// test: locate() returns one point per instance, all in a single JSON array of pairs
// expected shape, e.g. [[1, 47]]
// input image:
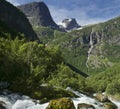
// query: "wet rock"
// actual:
[[2, 105], [102, 97], [85, 106], [110, 105], [62, 103]]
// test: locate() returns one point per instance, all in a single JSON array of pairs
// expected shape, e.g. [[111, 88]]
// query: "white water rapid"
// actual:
[[18, 101], [91, 46]]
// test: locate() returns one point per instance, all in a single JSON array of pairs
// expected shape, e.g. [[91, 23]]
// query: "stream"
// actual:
[[17, 101]]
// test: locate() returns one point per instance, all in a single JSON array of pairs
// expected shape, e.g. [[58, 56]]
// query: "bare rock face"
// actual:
[[16, 20], [69, 24], [38, 14]]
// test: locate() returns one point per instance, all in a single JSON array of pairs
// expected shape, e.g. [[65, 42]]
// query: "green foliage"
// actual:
[[48, 92], [108, 81], [113, 88], [45, 34], [28, 65], [75, 45], [65, 77]]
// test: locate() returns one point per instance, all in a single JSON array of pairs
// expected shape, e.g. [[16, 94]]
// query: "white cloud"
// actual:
[[80, 14]]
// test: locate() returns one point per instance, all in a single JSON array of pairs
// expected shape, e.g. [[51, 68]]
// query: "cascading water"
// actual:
[[91, 47], [18, 101]]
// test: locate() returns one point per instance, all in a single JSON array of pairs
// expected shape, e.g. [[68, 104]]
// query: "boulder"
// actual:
[[62, 103], [85, 106], [102, 97], [110, 105]]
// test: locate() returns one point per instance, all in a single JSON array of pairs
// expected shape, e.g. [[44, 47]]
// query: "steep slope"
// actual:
[[38, 14], [16, 20], [108, 81], [92, 49]]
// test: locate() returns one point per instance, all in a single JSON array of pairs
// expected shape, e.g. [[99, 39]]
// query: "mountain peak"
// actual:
[[38, 14], [69, 24]]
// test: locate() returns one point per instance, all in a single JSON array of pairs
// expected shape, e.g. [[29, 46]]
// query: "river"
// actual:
[[17, 101]]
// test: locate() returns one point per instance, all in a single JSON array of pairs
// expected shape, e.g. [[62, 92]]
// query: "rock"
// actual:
[[102, 97], [110, 105], [4, 85], [69, 24], [1, 105], [85, 106], [38, 14], [16, 20], [62, 103]]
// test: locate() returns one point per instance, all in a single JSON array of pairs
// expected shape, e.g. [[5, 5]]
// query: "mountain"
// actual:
[[45, 71], [16, 20], [91, 49], [38, 14], [69, 24]]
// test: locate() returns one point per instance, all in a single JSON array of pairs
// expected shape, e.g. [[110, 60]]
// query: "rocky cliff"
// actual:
[[38, 14], [16, 20]]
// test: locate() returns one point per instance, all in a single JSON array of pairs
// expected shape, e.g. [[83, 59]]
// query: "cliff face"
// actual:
[[93, 48], [38, 14], [16, 20]]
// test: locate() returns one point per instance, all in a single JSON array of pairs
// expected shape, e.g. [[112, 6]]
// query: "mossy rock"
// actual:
[[102, 98], [62, 103], [85, 106], [110, 105]]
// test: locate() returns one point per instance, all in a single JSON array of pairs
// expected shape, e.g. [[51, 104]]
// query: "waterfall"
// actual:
[[91, 46]]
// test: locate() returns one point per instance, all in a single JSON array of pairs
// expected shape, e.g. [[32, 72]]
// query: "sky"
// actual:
[[84, 11]]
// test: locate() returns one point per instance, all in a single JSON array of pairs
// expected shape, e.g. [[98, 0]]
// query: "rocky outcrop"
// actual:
[[106, 102], [69, 24], [85, 106], [63, 103], [102, 97], [109, 105], [16, 20], [38, 14]]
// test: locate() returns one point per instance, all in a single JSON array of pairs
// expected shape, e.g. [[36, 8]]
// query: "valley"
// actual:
[[43, 64]]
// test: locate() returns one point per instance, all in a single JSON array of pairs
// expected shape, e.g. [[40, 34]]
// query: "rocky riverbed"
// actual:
[[9, 100]]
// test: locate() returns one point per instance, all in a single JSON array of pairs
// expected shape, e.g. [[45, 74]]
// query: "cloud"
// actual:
[[81, 15], [85, 12]]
